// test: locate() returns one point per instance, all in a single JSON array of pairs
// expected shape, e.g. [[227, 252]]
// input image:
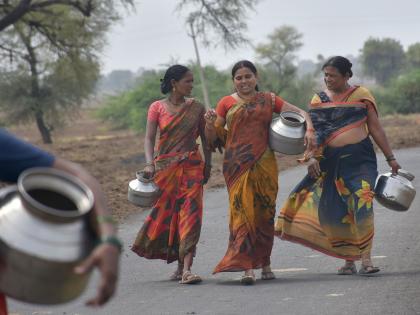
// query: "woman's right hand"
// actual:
[[149, 171], [314, 170], [210, 116]]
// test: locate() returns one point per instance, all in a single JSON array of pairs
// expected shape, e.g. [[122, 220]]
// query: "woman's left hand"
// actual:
[[394, 166], [310, 140], [206, 173]]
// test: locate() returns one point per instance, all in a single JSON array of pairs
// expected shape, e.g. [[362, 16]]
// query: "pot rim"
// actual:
[[290, 114], [47, 211]]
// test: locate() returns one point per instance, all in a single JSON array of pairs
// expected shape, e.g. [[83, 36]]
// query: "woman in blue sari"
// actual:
[[330, 210]]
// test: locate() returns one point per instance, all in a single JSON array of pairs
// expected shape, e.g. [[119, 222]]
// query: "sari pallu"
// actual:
[[333, 213], [173, 227], [250, 172]]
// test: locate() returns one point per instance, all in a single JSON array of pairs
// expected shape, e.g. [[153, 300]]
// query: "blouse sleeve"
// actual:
[[153, 113], [222, 108], [278, 104]]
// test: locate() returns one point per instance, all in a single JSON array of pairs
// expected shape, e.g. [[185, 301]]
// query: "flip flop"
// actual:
[[367, 270], [247, 280], [190, 278], [347, 270], [267, 275]]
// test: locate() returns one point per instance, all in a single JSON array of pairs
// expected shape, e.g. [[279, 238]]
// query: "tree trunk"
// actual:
[[42, 127], [200, 69], [44, 130]]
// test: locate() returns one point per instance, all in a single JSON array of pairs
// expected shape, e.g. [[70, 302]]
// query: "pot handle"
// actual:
[[406, 174], [7, 192]]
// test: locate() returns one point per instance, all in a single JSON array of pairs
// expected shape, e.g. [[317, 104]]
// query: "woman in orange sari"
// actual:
[[250, 170], [330, 210], [172, 229]]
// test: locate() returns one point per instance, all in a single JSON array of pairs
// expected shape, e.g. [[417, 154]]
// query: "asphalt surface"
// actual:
[[306, 280]]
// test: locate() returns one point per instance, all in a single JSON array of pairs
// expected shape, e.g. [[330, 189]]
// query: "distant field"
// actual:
[[114, 156]]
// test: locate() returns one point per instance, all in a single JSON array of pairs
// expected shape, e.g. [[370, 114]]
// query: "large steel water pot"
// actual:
[[142, 191], [395, 192], [43, 236], [287, 133]]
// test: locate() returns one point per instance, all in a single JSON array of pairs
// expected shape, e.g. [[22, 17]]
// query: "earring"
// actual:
[[173, 89]]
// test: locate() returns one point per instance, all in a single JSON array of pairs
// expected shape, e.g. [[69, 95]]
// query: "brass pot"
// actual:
[[287, 133], [43, 236], [395, 192], [143, 191]]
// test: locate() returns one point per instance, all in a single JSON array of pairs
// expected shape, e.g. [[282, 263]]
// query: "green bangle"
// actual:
[[112, 240], [103, 219]]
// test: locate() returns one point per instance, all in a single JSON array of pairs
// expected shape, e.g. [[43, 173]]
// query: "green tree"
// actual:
[[129, 109], [402, 95], [44, 42], [14, 11], [413, 56], [215, 22], [279, 54], [382, 59]]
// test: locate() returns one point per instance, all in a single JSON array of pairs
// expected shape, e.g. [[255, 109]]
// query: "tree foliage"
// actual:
[[413, 56], [218, 22], [382, 59], [278, 55], [53, 47]]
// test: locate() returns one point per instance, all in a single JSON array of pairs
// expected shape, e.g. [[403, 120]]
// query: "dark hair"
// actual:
[[175, 72], [244, 64], [343, 65]]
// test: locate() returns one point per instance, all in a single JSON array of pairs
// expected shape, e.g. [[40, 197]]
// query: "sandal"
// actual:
[[347, 270], [369, 269], [267, 275], [247, 280], [189, 278]]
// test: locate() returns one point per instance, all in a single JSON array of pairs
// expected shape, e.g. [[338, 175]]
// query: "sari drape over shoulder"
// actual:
[[333, 213], [173, 227], [250, 172]]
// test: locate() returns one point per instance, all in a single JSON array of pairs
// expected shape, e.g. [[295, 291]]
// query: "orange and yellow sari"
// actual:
[[250, 172], [173, 227]]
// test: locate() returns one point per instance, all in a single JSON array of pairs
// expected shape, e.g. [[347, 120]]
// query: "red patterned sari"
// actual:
[[250, 172], [173, 227]]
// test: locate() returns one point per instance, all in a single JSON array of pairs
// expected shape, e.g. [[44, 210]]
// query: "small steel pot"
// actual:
[[43, 236], [395, 192], [143, 191], [287, 133]]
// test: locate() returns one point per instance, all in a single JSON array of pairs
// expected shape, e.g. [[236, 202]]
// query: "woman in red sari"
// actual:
[[172, 229], [250, 170]]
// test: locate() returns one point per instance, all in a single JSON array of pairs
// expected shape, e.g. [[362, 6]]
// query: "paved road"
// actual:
[[306, 282]]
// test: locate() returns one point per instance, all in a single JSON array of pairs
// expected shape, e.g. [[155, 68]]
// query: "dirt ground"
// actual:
[[114, 156]]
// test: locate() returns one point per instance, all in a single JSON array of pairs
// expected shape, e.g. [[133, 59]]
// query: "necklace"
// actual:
[[246, 99], [175, 104]]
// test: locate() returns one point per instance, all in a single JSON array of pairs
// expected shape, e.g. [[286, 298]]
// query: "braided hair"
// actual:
[[175, 72]]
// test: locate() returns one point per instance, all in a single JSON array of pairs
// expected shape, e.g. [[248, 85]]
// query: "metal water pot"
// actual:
[[142, 191], [395, 192], [287, 133], [43, 236]]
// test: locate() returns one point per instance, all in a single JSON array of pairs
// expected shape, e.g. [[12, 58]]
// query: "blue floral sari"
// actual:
[[333, 213]]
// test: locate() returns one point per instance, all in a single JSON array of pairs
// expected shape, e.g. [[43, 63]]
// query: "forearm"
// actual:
[[210, 134], [378, 134], [149, 150]]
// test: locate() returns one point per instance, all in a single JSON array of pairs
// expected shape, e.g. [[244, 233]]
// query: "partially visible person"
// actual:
[[250, 170], [330, 210], [15, 157], [172, 230]]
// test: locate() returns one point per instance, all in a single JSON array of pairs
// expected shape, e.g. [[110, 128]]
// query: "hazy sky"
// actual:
[[155, 34]]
